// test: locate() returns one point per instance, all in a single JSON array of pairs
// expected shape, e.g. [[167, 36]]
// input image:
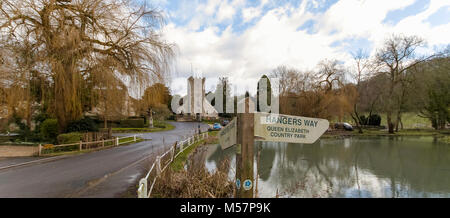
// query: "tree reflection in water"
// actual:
[[353, 167]]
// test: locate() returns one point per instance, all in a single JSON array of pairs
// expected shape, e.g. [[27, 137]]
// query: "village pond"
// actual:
[[366, 167]]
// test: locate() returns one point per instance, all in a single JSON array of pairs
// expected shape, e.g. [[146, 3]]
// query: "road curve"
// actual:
[[105, 173]]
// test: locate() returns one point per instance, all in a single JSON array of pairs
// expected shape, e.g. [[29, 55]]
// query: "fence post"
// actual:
[[40, 150], [158, 165], [103, 142], [174, 148], [134, 137], [81, 145], [117, 141], [143, 193]]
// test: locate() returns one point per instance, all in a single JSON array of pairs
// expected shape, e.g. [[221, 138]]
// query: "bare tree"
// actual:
[[330, 74], [395, 59], [69, 38], [292, 80], [362, 63]]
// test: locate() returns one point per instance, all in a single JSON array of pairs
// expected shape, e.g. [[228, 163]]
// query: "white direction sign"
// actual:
[[228, 135], [284, 128]]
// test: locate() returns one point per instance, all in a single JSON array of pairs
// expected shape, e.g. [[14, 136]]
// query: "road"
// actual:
[[107, 173]]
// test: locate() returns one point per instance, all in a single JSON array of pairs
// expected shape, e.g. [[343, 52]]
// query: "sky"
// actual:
[[244, 40]]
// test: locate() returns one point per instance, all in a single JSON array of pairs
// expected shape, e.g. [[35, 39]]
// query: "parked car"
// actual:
[[217, 126], [345, 126], [225, 122], [348, 126]]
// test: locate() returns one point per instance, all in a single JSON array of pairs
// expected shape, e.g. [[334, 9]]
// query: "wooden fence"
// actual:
[[80, 146], [163, 161]]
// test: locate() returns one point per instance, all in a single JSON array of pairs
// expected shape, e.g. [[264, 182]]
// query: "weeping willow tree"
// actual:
[[20, 86], [67, 40], [156, 99], [110, 95]]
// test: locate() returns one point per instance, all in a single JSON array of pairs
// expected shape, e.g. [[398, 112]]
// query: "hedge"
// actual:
[[69, 138], [132, 123], [49, 129]]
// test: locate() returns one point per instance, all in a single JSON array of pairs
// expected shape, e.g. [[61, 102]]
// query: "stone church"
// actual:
[[195, 105]]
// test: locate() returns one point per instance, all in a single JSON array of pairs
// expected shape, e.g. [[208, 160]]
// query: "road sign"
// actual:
[[238, 183], [247, 184], [284, 128], [228, 135]]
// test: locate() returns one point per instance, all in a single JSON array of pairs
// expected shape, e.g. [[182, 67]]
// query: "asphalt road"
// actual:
[[106, 173]]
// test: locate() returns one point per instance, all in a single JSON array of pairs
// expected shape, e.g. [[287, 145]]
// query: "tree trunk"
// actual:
[[399, 120], [67, 98], [390, 123], [357, 125], [356, 118], [396, 124]]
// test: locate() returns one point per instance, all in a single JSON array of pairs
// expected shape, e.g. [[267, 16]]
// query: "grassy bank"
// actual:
[[196, 181], [159, 127], [410, 120], [179, 162], [406, 132]]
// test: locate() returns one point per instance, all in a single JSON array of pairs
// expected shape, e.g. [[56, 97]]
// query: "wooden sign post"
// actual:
[[244, 153], [249, 127]]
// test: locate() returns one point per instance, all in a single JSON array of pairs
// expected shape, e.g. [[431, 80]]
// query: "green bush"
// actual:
[[49, 130], [372, 120], [160, 124], [69, 138], [363, 120], [171, 117], [375, 120], [132, 123], [83, 125]]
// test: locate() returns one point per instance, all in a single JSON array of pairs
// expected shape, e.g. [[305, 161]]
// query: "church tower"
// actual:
[[196, 97]]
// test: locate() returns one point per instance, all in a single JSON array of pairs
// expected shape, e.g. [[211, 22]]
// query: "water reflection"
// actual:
[[351, 167]]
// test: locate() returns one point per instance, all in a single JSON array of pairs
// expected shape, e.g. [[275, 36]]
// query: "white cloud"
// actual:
[[251, 13], [225, 12], [275, 40]]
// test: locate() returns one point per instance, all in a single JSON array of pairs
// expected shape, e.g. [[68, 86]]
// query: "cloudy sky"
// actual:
[[245, 39]]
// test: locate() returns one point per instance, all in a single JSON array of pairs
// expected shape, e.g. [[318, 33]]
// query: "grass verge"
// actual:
[[167, 127], [179, 162]]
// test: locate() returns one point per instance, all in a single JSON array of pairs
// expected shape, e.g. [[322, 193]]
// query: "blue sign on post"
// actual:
[[247, 185], [238, 184]]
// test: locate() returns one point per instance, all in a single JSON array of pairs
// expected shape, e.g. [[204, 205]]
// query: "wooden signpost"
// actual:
[[248, 127], [244, 154], [291, 129], [228, 135]]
